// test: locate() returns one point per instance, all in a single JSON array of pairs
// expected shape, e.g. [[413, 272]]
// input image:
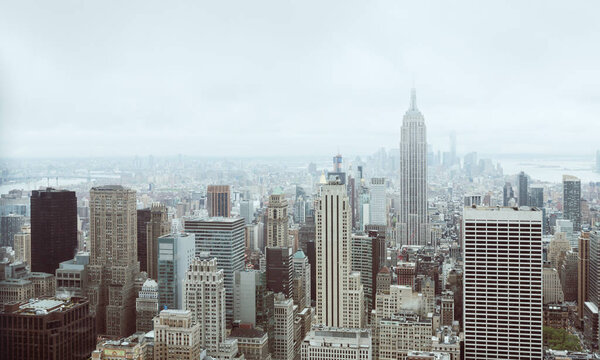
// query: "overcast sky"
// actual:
[[238, 78]]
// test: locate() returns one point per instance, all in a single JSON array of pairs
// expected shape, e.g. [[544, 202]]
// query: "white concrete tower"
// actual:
[[413, 176]]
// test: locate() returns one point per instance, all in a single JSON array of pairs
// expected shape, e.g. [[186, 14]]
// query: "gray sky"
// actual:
[[103, 78]]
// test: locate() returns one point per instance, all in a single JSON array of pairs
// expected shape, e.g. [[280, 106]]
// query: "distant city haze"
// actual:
[[289, 78]]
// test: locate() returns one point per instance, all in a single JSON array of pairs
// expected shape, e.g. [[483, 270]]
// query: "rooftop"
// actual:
[[42, 306]]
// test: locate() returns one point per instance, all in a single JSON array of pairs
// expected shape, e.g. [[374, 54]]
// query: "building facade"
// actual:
[[572, 200], [277, 221], [176, 336], [175, 254], [218, 200]]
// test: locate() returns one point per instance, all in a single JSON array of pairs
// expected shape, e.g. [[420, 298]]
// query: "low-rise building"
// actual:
[[326, 343]]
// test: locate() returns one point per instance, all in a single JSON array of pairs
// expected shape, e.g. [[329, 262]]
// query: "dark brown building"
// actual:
[[48, 329], [218, 200], [143, 218], [53, 228], [280, 270]]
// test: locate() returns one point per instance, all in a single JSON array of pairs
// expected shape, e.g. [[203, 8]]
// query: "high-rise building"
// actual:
[[218, 200], [223, 238], [155, 224], [283, 337], [508, 194], [302, 273], [553, 292], [72, 276], [572, 200], [113, 259], [247, 211], [447, 308], [536, 196], [176, 336], [583, 258], [175, 254], [204, 294], [22, 244], [337, 163], [277, 221], [47, 328], [146, 306], [53, 228], [378, 202], [503, 293], [333, 256], [592, 305], [523, 189], [413, 176], [10, 225], [253, 302], [280, 270], [325, 343], [368, 256]]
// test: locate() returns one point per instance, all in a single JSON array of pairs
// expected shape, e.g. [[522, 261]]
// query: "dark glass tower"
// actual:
[[53, 228]]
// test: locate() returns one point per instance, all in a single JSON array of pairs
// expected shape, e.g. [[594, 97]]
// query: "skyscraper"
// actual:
[[146, 306], [572, 200], [378, 203], [333, 255], [204, 294], [218, 200], [253, 301], [53, 228], [536, 196], [523, 189], [10, 225], [154, 223], [508, 194], [302, 272], [175, 254], [280, 270], [503, 283], [591, 330], [413, 176], [113, 260], [368, 255], [277, 221], [283, 337], [223, 238], [583, 259]]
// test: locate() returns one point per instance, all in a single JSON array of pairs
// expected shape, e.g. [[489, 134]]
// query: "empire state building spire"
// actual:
[[413, 222]]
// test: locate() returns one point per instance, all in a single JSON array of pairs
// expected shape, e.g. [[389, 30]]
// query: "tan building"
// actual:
[[327, 343], [277, 222], [253, 343], [447, 308], [283, 337], [23, 245], [583, 259], [12, 290], [558, 247], [384, 281], [146, 306], [134, 347], [43, 284], [553, 292], [113, 259], [176, 337], [402, 333], [218, 200]]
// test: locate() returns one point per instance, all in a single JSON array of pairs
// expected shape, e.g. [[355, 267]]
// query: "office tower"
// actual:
[[253, 343], [333, 255], [302, 271], [48, 328], [400, 333], [503, 293], [280, 270], [368, 255], [553, 293], [523, 189], [283, 337], [53, 228], [204, 294], [378, 203], [155, 224], [311, 254], [247, 211], [583, 258], [558, 247], [22, 244], [113, 259], [175, 254], [146, 306], [324, 343], [508, 194], [572, 200], [568, 276], [253, 302], [413, 176], [536, 196], [593, 302], [447, 308], [176, 336], [143, 218], [337, 163], [353, 313], [223, 238], [10, 225], [218, 199], [72, 276], [384, 281], [277, 221]]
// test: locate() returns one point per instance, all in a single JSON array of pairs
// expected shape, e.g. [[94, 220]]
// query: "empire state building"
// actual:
[[413, 226]]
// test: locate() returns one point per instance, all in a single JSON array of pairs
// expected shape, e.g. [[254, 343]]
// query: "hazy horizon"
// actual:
[[102, 79]]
